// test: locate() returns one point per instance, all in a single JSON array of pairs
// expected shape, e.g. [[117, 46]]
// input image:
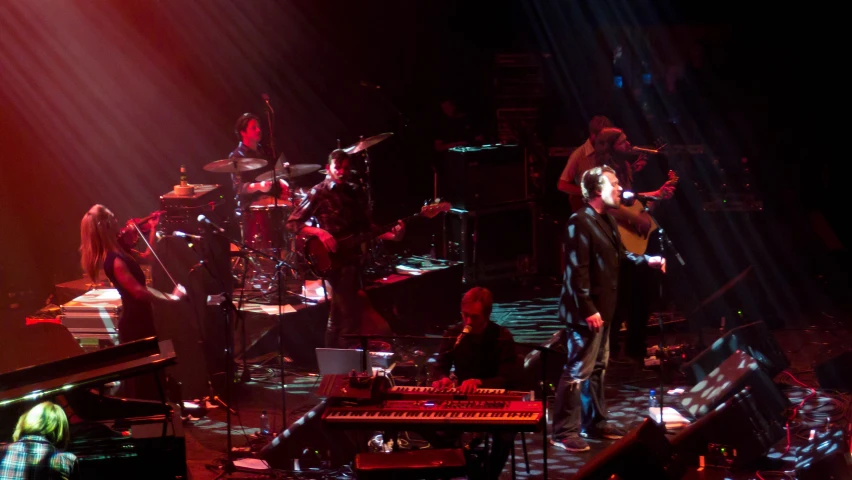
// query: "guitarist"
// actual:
[[581, 159], [634, 303], [339, 208]]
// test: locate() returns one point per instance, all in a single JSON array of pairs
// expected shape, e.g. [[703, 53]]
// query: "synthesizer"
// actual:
[[429, 393], [516, 416]]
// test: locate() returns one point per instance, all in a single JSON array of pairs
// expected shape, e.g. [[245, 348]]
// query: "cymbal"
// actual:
[[367, 143], [294, 171], [234, 165]]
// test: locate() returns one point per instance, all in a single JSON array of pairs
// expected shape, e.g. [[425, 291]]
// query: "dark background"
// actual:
[[103, 101]]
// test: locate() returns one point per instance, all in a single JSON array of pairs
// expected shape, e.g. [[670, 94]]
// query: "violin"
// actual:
[[129, 234]]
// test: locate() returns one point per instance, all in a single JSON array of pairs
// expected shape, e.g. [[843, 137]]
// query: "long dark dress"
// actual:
[[136, 322]]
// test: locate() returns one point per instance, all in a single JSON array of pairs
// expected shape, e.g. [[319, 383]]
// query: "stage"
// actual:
[[530, 312]]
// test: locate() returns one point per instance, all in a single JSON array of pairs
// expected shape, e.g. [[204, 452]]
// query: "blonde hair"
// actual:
[[98, 235], [47, 420]]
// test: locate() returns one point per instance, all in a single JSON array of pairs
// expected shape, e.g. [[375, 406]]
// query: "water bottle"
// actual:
[[264, 423], [653, 401]]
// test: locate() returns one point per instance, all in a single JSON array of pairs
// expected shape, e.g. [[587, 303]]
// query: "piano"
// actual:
[[465, 415], [112, 437]]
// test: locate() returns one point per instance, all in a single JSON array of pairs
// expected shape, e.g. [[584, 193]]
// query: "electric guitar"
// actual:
[[633, 240], [322, 262]]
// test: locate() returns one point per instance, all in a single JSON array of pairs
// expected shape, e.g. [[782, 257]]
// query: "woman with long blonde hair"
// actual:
[[101, 249]]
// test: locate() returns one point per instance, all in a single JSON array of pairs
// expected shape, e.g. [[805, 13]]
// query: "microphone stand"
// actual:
[[665, 241], [280, 266]]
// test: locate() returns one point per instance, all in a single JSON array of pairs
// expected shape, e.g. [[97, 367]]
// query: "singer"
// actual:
[[590, 287], [482, 354], [100, 249]]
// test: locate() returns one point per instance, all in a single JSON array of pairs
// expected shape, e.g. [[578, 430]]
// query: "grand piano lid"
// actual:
[[88, 369]]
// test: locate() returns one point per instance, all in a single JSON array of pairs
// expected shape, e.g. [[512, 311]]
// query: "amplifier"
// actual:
[[481, 177], [181, 211]]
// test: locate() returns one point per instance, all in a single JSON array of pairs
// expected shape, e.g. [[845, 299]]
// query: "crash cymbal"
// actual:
[[234, 165], [367, 143], [294, 171]]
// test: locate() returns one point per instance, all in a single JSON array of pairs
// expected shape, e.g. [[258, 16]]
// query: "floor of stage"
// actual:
[[529, 311], [531, 315]]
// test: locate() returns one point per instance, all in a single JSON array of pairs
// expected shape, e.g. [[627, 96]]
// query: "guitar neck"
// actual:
[[373, 233]]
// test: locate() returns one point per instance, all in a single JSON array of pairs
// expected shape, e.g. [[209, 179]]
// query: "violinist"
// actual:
[[104, 245]]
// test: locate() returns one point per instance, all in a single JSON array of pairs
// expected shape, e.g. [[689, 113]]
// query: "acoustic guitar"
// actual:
[[322, 262], [633, 240]]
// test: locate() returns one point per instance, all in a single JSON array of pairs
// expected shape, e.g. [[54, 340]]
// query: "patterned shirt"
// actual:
[[339, 208], [34, 458]]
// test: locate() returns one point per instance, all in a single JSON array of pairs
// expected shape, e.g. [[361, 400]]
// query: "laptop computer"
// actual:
[[335, 361]]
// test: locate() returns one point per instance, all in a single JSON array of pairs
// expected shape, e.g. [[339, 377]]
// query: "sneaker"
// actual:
[[610, 432], [571, 443]]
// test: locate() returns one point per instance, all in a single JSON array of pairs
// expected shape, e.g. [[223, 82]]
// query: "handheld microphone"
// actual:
[[201, 218], [187, 236], [649, 151], [266, 99], [628, 198], [465, 331]]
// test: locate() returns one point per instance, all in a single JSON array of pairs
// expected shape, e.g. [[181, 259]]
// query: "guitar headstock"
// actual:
[[431, 210]]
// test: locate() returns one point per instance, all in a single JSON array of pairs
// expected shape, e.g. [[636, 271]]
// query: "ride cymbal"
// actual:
[[367, 143], [234, 165], [285, 172]]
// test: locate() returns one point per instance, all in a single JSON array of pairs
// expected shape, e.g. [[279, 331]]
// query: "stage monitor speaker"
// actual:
[[425, 464], [643, 453], [734, 374], [755, 339], [825, 458], [835, 374], [309, 433], [741, 423]]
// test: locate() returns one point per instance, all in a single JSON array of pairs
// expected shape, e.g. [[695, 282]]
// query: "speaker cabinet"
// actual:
[[835, 374], [754, 339], [483, 177], [643, 453]]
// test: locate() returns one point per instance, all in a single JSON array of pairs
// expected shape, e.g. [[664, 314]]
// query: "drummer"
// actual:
[[250, 135]]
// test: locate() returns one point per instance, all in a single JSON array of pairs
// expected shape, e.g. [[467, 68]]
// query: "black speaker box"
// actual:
[[481, 177], [825, 458], [643, 453], [730, 378], [740, 423], [755, 339], [835, 374]]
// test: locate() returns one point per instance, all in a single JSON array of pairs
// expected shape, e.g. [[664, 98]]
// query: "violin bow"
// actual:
[[151, 249]]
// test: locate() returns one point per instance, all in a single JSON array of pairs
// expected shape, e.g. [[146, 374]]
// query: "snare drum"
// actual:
[[259, 225]]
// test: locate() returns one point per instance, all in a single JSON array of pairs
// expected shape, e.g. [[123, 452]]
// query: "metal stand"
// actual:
[[664, 241]]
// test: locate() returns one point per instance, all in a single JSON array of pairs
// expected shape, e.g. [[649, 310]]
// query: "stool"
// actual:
[[428, 464]]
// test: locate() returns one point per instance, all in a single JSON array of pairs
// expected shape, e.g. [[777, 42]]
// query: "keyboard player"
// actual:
[[480, 354]]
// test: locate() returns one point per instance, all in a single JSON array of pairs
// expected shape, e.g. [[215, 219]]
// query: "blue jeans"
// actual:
[[580, 392]]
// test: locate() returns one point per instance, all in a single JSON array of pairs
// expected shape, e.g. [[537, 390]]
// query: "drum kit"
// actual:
[[262, 222]]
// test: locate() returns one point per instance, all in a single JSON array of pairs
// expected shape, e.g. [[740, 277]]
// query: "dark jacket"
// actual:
[[593, 254]]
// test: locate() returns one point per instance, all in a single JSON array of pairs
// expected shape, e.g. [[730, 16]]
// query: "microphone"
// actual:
[[465, 331], [201, 218], [187, 236], [650, 151], [266, 99], [628, 198], [367, 84]]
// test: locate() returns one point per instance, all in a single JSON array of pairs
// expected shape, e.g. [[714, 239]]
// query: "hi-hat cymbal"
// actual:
[[291, 171], [234, 165], [367, 143]]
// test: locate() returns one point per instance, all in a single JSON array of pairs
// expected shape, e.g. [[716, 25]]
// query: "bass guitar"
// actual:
[[634, 240], [322, 262]]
